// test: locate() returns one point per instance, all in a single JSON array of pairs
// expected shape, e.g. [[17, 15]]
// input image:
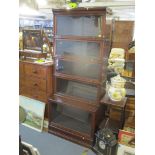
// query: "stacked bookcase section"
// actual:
[[81, 48]]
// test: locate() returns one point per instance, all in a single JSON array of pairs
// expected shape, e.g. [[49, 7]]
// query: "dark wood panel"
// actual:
[[130, 112], [60, 127], [80, 59], [49, 80], [74, 137], [100, 115], [122, 34], [115, 114], [81, 11], [78, 78], [74, 102], [83, 38], [78, 101]]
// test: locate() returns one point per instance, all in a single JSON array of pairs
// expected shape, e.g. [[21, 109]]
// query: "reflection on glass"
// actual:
[[71, 117], [79, 69], [77, 48], [72, 88], [79, 25]]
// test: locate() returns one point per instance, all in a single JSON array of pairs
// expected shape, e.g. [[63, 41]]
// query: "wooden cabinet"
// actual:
[[80, 59], [35, 81], [115, 113], [123, 32]]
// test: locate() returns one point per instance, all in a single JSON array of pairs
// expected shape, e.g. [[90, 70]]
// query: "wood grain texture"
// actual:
[[130, 112], [35, 81], [93, 107], [122, 34]]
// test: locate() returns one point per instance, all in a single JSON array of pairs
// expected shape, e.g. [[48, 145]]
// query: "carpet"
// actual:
[[48, 144]]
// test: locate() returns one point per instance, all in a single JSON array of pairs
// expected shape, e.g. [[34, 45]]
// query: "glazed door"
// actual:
[[85, 26], [71, 117], [78, 69], [76, 89], [78, 48]]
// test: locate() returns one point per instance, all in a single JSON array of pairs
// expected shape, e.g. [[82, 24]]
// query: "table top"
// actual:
[[33, 62], [106, 100]]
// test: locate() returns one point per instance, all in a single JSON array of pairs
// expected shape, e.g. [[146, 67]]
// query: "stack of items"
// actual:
[[129, 69], [126, 141], [116, 60], [116, 90]]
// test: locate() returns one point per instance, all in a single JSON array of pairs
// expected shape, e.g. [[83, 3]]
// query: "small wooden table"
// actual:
[[118, 104], [106, 100]]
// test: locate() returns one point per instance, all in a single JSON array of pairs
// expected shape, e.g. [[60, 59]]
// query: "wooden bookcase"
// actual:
[[81, 49]]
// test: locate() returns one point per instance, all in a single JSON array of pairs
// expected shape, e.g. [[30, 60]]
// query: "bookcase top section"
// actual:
[[81, 10]]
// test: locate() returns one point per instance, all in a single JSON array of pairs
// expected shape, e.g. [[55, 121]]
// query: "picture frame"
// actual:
[[125, 150], [125, 137], [34, 110], [33, 40]]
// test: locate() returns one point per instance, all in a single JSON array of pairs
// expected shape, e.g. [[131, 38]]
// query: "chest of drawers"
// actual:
[[35, 80]]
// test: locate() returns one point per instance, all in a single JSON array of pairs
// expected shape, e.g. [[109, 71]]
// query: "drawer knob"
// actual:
[[35, 72], [35, 84], [36, 96]]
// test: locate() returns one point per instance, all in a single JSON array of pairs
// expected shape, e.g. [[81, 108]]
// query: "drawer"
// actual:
[[35, 70], [32, 93], [35, 83], [70, 135]]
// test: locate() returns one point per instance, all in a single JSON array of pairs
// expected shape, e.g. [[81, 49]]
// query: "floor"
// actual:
[[48, 144]]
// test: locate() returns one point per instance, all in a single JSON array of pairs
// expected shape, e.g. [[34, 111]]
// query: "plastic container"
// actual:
[[118, 82], [116, 90], [116, 94], [117, 53]]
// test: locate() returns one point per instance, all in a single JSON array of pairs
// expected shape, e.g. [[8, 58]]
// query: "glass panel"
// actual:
[[79, 25], [78, 69], [77, 48], [72, 118], [77, 89]]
